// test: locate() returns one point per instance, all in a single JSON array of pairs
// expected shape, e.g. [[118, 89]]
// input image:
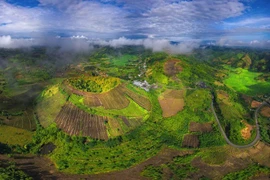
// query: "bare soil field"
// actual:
[[191, 140], [200, 127], [171, 102], [265, 111], [75, 121], [255, 104], [171, 67]]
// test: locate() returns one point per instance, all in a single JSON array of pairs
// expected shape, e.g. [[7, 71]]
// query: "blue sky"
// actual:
[[227, 22]]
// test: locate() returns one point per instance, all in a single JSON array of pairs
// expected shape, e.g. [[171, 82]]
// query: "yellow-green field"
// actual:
[[244, 81], [12, 136]]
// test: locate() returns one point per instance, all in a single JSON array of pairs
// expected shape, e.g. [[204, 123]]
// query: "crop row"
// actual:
[[75, 121]]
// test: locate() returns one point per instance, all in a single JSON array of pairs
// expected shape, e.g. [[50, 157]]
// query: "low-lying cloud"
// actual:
[[82, 44], [153, 44]]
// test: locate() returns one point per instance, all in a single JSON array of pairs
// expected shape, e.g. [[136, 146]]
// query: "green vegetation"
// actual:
[[152, 172], [156, 74], [13, 136], [123, 60], [94, 84], [11, 173], [133, 110], [245, 81], [49, 105], [214, 156], [264, 128], [180, 167], [248, 173]]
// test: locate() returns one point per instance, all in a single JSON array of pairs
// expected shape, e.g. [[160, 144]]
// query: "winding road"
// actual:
[[257, 127]]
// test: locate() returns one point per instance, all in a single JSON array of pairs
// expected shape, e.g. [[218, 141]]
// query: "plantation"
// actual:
[[94, 84]]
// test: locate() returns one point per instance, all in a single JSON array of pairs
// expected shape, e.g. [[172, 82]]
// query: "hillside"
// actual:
[[128, 109]]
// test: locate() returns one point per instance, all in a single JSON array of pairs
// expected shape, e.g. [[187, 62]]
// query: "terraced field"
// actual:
[[114, 99], [75, 121]]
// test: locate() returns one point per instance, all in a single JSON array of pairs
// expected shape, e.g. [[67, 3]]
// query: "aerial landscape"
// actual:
[[119, 89]]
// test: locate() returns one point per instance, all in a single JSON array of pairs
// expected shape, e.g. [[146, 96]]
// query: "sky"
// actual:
[[221, 22]]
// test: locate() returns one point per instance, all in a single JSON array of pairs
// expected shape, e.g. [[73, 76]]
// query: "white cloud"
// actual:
[[158, 18], [153, 44], [84, 45], [250, 21], [254, 42], [229, 41], [20, 19], [66, 44], [187, 17], [8, 42], [78, 37]]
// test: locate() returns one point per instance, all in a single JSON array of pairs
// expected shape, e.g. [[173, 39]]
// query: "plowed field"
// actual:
[[75, 121]]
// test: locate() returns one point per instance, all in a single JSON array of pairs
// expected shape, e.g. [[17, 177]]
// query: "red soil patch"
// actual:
[[200, 127], [191, 140], [171, 102], [246, 132], [172, 67], [75, 121], [265, 111], [255, 104]]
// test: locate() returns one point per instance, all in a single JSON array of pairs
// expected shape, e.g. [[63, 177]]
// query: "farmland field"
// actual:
[[171, 67], [12, 136], [123, 60], [74, 121], [265, 111], [171, 102], [245, 81]]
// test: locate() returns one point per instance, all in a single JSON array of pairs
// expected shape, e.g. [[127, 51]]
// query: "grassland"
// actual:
[[12, 136], [123, 60], [244, 81], [49, 105]]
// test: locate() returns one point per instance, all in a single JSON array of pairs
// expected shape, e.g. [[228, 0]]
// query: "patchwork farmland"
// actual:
[[97, 115], [75, 121]]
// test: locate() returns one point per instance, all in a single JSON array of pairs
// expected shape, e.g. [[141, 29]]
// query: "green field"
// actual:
[[123, 60], [133, 110], [244, 81], [12, 136], [49, 105]]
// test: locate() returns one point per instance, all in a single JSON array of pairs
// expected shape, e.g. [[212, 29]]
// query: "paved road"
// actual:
[[257, 127]]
